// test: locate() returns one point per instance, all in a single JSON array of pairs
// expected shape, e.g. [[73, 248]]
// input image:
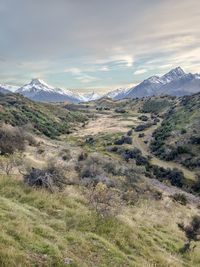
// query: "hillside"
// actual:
[[96, 195], [175, 83], [50, 120], [178, 136]]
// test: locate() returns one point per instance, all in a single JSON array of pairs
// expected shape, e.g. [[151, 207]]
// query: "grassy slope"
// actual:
[[47, 119], [42, 229], [178, 126]]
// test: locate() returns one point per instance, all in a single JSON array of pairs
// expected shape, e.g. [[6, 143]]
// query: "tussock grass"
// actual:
[[42, 229]]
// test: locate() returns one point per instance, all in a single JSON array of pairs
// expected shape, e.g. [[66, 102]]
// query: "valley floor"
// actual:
[[39, 228]]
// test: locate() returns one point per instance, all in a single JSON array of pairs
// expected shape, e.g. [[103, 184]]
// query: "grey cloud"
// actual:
[[43, 33]]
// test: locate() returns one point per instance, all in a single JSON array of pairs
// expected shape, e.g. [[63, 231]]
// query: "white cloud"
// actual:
[[126, 59], [84, 78], [73, 70], [138, 72], [104, 68]]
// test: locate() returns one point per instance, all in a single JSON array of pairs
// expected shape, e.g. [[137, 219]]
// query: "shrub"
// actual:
[[136, 154], [143, 118], [96, 168], [196, 186], [180, 198], [155, 106], [104, 201], [130, 132], [192, 233], [120, 110], [142, 127], [141, 135], [124, 140], [50, 178], [195, 140], [175, 176], [11, 139], [8, 163]]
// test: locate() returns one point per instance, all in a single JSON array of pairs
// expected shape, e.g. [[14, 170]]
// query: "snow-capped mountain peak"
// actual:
[[91, 96], [117, 94], [11, 88], [39, 82], [152, 79], [172, 75], [39, 90], [34, 86]]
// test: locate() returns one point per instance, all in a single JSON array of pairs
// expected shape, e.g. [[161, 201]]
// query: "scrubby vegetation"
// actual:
[[50, 120], [96, 197], [11, 139], [50, 178], [155, 106], [192, 232], [171, 142]]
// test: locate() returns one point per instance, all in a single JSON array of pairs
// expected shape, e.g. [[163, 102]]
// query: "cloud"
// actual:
[[86, 78], [104, 68], [73, 70], [141, 71], [62, 39]]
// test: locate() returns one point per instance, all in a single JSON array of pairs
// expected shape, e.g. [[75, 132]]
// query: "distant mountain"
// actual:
[[176, 82], [5, 88], [117, 94], [91, 96], [38, 90]]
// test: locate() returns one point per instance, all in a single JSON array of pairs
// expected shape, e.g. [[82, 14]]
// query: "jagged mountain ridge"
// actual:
[[38, 90], [176, 82]]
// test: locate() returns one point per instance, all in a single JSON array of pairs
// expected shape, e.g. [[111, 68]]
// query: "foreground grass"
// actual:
[[43, 229]]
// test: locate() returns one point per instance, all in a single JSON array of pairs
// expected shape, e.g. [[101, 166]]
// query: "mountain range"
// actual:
[[176, 82]]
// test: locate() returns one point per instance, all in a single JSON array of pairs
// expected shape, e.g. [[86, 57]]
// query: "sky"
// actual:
[[97, 45]]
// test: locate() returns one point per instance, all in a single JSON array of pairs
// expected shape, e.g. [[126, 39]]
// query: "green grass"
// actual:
[[42, 229]]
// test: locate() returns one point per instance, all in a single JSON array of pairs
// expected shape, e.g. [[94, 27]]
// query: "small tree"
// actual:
[[192, 232], [8, 163], [104, 201]]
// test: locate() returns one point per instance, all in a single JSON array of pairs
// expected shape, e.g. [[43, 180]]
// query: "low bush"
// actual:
[[142, 127], [192, 233], [11, 139], [143, 118], [135, 154], [124, 140], [130, 132], [175, 176], [96, 168], [120, 110], [9, 162], [155, 106], [50, 178], [180, 198], [104, 201], [141, 135]]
